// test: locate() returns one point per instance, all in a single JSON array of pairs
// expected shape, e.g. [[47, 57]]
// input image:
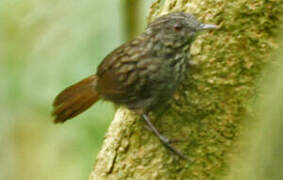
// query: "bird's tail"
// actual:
[[75, 99]]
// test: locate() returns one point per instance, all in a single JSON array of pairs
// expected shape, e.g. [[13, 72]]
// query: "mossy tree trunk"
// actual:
[[207, 111], [261, 152]]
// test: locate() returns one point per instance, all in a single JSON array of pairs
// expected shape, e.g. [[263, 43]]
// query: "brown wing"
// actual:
[[117, 75]]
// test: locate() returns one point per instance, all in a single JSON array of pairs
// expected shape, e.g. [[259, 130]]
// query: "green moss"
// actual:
[[207, 111]]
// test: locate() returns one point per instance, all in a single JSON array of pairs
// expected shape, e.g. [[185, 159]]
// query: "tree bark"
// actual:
[[261, 153], [206, 112], [131, 17]]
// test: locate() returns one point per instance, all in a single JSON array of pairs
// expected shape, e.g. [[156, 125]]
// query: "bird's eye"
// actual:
[[178, 27]]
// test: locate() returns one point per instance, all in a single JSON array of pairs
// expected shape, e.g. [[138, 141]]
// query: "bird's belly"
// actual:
[[159, 89]]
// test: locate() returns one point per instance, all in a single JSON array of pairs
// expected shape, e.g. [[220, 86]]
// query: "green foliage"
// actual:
[[44, 47]]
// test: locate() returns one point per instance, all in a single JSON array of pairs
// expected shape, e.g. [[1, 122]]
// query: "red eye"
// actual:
[[178, 27]]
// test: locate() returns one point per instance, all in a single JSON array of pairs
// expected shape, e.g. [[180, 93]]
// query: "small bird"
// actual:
[[141, 74]]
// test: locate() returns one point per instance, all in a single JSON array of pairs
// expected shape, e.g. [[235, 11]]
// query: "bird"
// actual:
[[141, 74]]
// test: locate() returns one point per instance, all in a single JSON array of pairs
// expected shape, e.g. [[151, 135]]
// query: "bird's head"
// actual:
[[176, 28]]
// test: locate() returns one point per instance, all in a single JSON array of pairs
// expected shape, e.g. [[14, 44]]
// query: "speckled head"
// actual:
[[176, 26]]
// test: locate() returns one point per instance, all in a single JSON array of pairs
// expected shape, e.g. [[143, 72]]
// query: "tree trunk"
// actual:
[[205, 114], [261, 155], [131, 17]]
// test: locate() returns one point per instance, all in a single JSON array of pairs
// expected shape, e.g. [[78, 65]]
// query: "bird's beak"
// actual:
[[206, 27]]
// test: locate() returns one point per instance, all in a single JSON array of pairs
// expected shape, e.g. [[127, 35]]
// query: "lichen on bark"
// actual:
[[206, 112]]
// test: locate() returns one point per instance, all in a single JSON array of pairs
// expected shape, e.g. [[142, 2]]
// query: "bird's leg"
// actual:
[[170, 141], [165, 141]]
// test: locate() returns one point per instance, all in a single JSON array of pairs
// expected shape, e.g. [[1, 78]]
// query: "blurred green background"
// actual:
[[46, 46]]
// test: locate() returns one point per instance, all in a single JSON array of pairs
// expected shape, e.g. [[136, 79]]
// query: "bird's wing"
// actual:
[[117, 73]]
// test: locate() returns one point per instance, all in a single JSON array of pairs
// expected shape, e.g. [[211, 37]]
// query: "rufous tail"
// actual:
[[75, 99]]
